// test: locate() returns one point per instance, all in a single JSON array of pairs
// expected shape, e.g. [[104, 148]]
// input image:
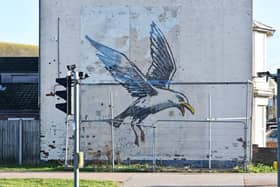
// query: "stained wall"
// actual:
[[211, 43]]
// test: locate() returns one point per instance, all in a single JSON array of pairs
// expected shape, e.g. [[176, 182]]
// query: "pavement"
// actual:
[[163, 179]]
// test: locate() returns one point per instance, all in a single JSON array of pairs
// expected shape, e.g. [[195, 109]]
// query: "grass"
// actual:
[[54, 183], [41, 167], [256, 168], [47, 167], [89, 168], [17, 50], [261, 168]]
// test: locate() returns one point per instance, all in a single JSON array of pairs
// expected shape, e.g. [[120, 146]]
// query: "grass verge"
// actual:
[[54, 183], [89, 168], [256, 168], [47, 167], [261, 168], [23, 168]]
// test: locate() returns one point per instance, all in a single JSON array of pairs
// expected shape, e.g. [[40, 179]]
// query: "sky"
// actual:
[[268, 12], [20, 24], [19, 21]]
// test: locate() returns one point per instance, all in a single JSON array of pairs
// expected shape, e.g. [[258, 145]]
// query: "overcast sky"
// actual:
[[20, 22]]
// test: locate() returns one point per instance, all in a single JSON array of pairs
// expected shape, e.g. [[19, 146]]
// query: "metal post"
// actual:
[[245, 146], [210, 131], [246, 131], [112, 131], [66, 143], [77, 126], [278, 121], [154, 148], [58, 45], [250, 122], [20, 143], [68, 117]]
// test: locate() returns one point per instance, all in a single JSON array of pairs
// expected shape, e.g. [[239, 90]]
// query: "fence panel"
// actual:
[[31, 142], [10, 142]]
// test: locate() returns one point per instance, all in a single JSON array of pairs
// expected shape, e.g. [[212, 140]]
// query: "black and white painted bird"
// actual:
[[152, 90]]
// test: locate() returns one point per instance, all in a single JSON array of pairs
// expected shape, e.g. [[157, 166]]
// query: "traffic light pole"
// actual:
[[73, 79], [69, 113], [77, 126]]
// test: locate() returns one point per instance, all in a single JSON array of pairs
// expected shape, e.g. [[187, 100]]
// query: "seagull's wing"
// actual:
[[163, 66], [123, 70]]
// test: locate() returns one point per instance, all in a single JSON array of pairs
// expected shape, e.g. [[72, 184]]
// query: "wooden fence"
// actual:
[[19, 142]]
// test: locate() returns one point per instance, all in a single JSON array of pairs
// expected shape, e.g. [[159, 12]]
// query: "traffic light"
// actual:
[[65, 94]]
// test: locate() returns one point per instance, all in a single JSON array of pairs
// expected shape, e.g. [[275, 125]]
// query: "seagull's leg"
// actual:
[[142, 135], [136, 136]]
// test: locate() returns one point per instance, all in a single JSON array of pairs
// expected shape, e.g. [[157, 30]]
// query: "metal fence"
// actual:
[[195, 144], [220, 150], [218, 136], [19, 142]]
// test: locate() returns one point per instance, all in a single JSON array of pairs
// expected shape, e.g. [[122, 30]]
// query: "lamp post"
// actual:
[[276, 77]]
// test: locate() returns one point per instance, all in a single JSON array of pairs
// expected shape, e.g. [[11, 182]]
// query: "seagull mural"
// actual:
[[152, 91]]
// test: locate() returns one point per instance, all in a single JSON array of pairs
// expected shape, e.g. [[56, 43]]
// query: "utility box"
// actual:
[[141, 50]]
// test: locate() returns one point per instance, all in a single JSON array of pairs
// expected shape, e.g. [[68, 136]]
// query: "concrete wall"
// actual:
[[211, 42]]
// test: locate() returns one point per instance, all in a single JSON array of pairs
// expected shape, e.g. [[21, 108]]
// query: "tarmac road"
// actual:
[[163, 179]]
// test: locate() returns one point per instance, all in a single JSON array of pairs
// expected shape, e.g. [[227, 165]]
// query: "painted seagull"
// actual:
[[152, 91]]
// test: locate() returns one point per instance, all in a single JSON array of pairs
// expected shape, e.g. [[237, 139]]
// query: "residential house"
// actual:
[[262, 90]]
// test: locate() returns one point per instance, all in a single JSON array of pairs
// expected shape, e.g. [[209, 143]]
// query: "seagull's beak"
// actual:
[[183, 105]]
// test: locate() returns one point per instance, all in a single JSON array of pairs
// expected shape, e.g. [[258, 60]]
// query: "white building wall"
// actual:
[[211, 42], [259, 52], [259, 122], [262, 90]]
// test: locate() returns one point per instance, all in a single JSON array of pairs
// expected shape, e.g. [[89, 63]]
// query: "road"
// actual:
[[163, 179]]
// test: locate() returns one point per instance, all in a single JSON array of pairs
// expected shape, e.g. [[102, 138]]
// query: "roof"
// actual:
[[15, 50], [19, 64], [19, 97], [261, 27]]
